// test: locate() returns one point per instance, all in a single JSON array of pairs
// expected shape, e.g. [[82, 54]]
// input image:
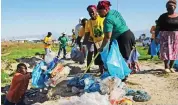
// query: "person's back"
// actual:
[[115, 18]]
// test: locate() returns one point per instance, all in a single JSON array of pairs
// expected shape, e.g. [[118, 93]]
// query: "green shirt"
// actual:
[[115, 23], [63, 40]]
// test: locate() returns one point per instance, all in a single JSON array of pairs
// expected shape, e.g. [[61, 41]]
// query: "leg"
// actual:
[[89, 59], [64, 51], [171, 64], [166, 64], [59, 52], [47, 51]]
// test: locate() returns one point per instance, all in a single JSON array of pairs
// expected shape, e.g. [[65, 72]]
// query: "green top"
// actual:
[[115, 23], [63, 40]]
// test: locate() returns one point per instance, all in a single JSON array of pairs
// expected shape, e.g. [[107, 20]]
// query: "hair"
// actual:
[[49, 33], [171, 2], [103, 5], [91, 6], [21, 65], [83, 20]]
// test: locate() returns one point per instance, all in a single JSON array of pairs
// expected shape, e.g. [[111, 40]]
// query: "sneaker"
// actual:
[[172, 70], [167, 70]]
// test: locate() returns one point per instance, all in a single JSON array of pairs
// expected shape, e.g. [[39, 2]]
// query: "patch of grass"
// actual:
[[144, 54], [14, 51], [4, 78]]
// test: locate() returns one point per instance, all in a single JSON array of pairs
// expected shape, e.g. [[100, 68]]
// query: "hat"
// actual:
[[64, 33]]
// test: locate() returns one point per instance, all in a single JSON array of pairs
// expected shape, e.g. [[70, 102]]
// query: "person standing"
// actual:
[[47, 43], [81, 33], [63, 40], [73, 36], [168, 30], [115, 28], [153, 47], [94, 36], [77, 28]]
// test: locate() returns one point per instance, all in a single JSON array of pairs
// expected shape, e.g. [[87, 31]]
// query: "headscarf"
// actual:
[[91, 7], [103, 5], [172, 3]]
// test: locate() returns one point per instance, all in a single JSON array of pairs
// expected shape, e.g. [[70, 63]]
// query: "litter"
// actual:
[[138, 95], [77, 55], [115, 63]]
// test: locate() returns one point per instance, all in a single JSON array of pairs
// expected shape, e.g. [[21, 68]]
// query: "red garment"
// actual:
[[18, 87], [103, 5]]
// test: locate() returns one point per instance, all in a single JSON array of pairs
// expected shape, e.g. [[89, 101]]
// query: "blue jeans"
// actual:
[[6, 102], [47, 51], [64, 51]]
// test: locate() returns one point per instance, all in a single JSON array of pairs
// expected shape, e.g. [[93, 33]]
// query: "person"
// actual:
[[115, 28], [154, 47], [93, 36], [81, 33], [168, 30], [73, 36], [77, 28], [63, 43], [47, 43], [18, 86]]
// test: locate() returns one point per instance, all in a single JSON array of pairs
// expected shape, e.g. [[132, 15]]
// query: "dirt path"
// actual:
[[162, 87]]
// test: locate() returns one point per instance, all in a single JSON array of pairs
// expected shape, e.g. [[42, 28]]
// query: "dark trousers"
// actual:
[[6, 102], [98, 61], [64, 51]]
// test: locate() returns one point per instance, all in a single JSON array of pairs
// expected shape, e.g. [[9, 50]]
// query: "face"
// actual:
[[22, 69], [92, 13], [171, 9], [102, 12]]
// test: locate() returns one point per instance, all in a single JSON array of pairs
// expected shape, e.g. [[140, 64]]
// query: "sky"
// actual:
[[37, 17]]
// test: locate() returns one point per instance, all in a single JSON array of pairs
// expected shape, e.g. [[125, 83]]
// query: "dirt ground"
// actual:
[[162, 87]]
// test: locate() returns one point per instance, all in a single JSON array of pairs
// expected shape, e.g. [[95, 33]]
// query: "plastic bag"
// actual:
[[108, 84], [176, 64], [117, 93], [104, 75], [104, 55], [60, 76], [49, 57], [133, 61], [154, 48], [77, 55], [38, 77], [116, 63]]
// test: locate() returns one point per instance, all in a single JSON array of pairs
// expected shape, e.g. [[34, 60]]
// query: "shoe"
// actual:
[[167, 70], [172, 70]]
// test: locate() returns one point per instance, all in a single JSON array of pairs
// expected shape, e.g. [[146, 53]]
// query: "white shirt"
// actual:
[[77, 29]]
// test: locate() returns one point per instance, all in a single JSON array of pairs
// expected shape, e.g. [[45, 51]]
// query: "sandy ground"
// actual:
[[162, 87]]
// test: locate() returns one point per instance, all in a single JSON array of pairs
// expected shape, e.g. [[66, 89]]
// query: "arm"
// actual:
[[108, 28], [107, 37]]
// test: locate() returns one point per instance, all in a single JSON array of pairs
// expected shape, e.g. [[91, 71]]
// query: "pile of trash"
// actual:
[[106, 90], [49, 72]]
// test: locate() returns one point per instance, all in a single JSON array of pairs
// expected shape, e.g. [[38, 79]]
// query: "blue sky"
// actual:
[[37, 17]]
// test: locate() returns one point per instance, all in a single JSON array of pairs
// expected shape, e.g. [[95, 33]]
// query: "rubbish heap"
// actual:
[[106, 90], [49, 72]]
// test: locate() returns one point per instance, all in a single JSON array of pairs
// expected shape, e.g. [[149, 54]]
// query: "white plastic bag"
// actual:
[[49, 57]]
